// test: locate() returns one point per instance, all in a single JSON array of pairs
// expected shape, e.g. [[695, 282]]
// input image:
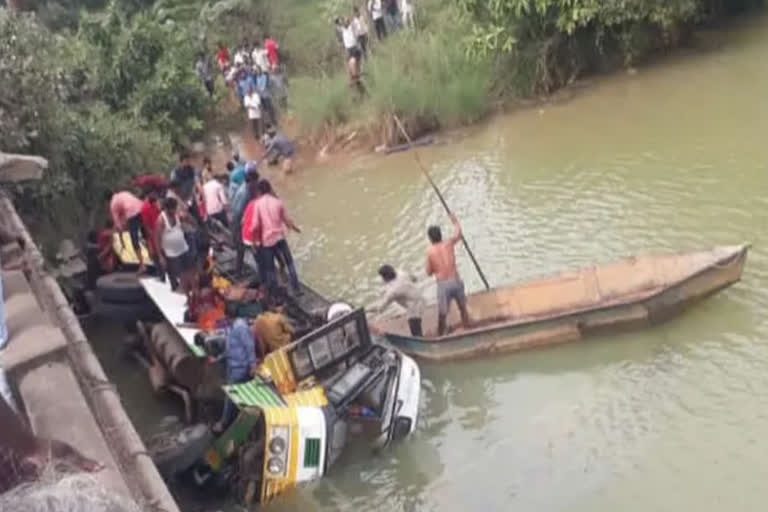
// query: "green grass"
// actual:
[[423, 76], [321, 103]]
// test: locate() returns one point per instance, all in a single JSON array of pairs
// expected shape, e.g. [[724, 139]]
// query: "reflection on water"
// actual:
[[665, 419]]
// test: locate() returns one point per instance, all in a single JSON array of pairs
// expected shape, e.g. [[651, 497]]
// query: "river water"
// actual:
[[672, 418]]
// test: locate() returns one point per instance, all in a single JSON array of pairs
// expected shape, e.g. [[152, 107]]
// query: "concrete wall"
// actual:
[[62, 388]]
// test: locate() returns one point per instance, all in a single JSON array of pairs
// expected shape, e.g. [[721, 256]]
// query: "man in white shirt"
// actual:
[[360, 26], [259, 57], [406, 8], [376, 8], [350, 40], [401, 289], [252, 104], [216, 201]]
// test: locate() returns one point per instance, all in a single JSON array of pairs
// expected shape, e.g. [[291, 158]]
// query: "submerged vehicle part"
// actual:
[[294, 416]]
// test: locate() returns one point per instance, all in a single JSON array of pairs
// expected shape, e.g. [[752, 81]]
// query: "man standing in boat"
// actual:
[[441, 263]]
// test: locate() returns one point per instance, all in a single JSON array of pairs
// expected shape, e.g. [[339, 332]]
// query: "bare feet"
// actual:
[[62, 456]]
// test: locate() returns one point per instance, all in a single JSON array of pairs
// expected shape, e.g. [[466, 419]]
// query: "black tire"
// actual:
[[120, 288], [144, 311]]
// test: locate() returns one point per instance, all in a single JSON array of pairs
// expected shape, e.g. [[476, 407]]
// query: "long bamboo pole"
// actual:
[[440, 196]]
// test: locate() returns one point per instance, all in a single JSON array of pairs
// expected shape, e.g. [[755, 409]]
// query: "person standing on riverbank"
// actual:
[[264, 89], [252, 104], [222, 57], [259, 57], [360, 27], [350, 40], [204, 73], [406, 8], [269, 222], [441, 263], [125, 209], [271, 47], [393, 15], [376, 9], [401, 289]]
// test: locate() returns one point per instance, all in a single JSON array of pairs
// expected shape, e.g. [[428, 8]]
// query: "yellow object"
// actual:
[[279, 368], [124, 251], [281, 417], [221, 283], [313, 397], [273, 330]]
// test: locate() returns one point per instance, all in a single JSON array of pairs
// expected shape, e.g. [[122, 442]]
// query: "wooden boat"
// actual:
[[637, 291]]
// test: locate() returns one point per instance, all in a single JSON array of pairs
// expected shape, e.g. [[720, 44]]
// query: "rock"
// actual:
[[16, 168]]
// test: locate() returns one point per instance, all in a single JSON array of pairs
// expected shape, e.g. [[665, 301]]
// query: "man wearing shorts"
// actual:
[[441, 263]]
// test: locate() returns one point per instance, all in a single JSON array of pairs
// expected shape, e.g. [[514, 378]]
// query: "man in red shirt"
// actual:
[[270, 45], [222, 57], [150, 211], [268, 223]]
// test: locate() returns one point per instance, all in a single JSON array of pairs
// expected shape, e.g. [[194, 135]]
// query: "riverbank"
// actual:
[[441, 75], [346, 142]]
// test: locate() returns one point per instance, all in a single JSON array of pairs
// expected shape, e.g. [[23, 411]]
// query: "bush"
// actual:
[[424, 75], [321, 103], [101, 106]]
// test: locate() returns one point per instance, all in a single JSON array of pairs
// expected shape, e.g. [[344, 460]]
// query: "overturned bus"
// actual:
[[295, 415]]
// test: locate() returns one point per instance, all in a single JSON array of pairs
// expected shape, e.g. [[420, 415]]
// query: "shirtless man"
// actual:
[[441, 263]]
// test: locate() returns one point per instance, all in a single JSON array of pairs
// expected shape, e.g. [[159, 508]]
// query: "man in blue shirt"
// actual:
[[242, 197], [241, 362], [236, 175], [244, 83], [278, 146], [264, 88]]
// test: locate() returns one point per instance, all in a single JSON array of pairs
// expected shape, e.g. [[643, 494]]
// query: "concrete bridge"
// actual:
[[59, 385]]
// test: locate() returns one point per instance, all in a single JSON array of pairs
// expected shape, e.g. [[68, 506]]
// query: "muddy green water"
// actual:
[[671, 418]]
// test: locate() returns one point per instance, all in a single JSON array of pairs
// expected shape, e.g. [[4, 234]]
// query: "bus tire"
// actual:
[[120, 288], [125, 312]]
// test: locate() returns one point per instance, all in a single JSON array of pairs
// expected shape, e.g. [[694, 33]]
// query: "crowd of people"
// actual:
[[352, 33], [253, 71], [174, 215]]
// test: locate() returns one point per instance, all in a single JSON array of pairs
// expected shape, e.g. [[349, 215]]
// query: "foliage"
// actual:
[[145, 64], [322, 102], [101, 105], [422, 76], [442, 83], [553, 41], [24, 85]]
